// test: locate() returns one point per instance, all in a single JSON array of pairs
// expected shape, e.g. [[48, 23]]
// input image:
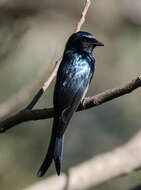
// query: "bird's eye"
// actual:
[[85, 40]]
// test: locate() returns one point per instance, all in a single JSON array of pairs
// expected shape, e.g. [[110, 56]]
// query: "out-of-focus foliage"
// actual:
[[33, 33]]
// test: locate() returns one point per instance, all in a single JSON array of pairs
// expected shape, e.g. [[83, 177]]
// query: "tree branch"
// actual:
[[22, 95], [28, 115], [111, 94], [116, 163]]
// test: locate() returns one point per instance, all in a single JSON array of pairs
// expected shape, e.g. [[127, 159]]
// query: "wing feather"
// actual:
[[72, 74]]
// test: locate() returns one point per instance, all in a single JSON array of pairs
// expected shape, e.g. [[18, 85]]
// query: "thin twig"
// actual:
[[22, 95], [44, 87], [53, 74], [28, 115], [84, 12]]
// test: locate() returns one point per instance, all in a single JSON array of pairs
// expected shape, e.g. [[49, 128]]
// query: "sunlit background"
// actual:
[[32, 36]]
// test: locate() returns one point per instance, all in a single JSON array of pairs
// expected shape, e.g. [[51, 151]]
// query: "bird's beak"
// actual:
[[97, 43]]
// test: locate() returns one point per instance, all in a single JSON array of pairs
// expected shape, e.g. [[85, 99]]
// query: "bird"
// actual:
[[73, 79]]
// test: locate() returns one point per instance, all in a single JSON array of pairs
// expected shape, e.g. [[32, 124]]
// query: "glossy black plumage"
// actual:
[[73, 78]]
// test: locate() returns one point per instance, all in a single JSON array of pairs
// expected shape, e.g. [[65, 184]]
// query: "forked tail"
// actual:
[[54, 153]]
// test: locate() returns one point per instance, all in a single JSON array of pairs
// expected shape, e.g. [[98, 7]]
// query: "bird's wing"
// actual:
[[67, 112], [71, 85], [73, 77]]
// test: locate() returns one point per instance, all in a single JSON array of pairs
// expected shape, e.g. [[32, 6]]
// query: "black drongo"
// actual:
[[73, 78]]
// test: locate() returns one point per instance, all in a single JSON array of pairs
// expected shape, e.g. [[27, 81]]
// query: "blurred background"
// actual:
[[32, 37]]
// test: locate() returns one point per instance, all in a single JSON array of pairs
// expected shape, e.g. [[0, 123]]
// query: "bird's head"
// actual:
[[83, 41]]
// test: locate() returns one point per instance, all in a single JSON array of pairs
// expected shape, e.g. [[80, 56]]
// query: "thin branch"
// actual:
[[45, 86], [108, 95], [102, 168], [111, 94], [84, 12], [22, 95], [54, 72]]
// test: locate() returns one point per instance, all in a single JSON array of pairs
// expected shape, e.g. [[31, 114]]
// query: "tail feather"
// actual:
[[47, 161], [44, 167], [50, 153], [54, 152], [58, 153]]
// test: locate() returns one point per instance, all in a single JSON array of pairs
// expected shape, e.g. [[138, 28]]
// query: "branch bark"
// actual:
[[108, 95], [116, 163]]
